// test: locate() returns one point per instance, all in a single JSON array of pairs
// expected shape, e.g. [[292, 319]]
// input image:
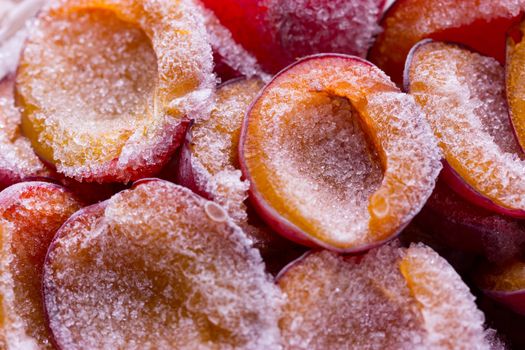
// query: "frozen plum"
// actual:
[[463, 96], [231, 59], [336, 155], [505, 284], [157, 266], [515, 81], [30, 215], [17, 159], [278, 32], [392, 298], [468, 228], [479, 24], [106, 88], [209, 165]]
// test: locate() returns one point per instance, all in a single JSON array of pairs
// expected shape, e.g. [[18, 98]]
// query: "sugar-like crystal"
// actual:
[[151, 268], [331, 159], [480, 24], [17, 158], [391, 298], [320, 170], [314, 26], [230, 52], [463, 96], [110, 84], [213, 153], [451, 317], [30, 214], [214, 146]]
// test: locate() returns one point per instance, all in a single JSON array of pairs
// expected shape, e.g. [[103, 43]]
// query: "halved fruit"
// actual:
[[505, 284], [209, 163], [17, 159], [391, 298], [209, 166], [479, 24], [515, 81], [336, 155], [30, 215], [463, 226], [463, 96], [278, 32], [158, 267], [106, 88]]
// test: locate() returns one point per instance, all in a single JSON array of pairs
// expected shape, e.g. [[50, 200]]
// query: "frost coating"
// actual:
[[278, 32], [232, 53], [30, 214], [331, 160], [17, 158], [214, 147], [307, 27], [410, 21], [346, 303], [451, 317], [307, 157], [464, 101], [210, 166], [149, 63], [151, 269]]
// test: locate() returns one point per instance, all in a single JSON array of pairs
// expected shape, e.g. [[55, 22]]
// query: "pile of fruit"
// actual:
[[262, 174]]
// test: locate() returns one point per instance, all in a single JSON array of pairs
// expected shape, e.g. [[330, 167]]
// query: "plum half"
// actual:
[[463, 96], [18, 161], [479, 24], [158, 266], [209, 166], [336, 155], [391, 298], [209, 163], [515, 78], [106, 88], [30, 215], [504, 284], [231, 59], [277, 32]]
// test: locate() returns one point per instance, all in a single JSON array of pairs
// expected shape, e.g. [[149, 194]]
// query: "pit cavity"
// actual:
[[95, 70], [327, 164]]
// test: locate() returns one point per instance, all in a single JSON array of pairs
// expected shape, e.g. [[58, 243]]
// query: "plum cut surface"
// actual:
[[463, 95], [106, 88], [209, 165], [410, 296], [515, 78], [17, 159], [209, 162], [336, 155], [30, 215], [157, 266]]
